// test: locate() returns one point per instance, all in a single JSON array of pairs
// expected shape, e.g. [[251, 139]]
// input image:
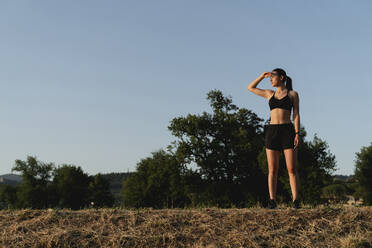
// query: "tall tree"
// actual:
[[156, 183], [8, 196], [224, 146], [71, 185], [316, 164], [99, 191], [33, 192], [363, 173]]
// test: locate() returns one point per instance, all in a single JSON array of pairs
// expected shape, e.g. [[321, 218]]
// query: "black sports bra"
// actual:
[[284, 103]]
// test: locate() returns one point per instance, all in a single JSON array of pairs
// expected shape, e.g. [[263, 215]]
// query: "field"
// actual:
[[324, 226]]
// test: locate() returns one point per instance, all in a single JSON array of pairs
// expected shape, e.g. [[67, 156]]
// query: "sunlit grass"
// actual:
[[333, 225]]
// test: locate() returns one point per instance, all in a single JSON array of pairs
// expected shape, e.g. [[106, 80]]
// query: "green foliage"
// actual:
[[316, 164], [116, 183], [69, 188], [224, 145], [335, 192], [132, 191], [71, 185], [8, 196], [99, 191], [157, 183], [34, 189], [363, 174]]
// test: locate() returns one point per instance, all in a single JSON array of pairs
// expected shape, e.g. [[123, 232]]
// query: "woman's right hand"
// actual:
[[266, 74]]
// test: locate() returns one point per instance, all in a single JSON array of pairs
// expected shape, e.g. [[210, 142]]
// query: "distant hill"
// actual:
[[343, 178], [10, 179], [13, 177]]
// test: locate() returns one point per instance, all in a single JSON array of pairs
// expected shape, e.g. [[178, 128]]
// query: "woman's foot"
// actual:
[[296, 204], [272, 204]]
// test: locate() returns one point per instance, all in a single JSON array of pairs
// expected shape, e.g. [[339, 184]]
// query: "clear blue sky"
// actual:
[[96, 83]]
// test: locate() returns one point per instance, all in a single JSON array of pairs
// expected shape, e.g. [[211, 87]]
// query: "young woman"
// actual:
[[281, 134]]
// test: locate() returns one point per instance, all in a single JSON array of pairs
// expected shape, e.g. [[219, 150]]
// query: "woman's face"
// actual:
[[275, 79]]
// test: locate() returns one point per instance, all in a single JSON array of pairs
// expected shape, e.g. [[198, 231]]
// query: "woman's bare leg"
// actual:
[[273, 164], [291, 162]]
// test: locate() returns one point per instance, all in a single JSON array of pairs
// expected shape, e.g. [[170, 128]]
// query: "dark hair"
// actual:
[[287, 79]]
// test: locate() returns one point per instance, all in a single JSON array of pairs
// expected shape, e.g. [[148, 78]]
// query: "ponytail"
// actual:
[[288, 83]]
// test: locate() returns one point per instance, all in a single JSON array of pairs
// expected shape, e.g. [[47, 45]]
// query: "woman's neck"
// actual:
[[281, 89]]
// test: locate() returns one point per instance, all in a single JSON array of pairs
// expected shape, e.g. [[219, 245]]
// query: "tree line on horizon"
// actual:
[[227, 147], [44, 185]]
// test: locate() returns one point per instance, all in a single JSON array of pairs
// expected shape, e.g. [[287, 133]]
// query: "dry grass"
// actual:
[[335, 226]]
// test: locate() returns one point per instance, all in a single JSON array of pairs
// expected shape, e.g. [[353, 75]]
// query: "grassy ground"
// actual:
[[332, 226]]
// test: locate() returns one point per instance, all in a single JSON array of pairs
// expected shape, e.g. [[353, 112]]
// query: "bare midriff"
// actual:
[[280, 116]]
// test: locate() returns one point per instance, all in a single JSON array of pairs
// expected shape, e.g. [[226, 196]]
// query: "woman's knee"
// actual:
[[292, 171], [273, 173]]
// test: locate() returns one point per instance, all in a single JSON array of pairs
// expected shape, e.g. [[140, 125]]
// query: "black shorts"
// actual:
[[280, 136]]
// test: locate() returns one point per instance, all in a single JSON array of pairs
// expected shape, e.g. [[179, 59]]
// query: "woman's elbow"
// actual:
[[252, 89]]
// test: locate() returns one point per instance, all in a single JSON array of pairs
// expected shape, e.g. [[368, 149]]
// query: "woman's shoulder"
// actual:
[[293, 93]]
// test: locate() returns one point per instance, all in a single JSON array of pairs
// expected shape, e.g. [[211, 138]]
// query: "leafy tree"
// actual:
[[33, 192], [316, 165], [8, 196], [335, 192], [156, 183], [71, 185], [116, 183], [363, 174], [133, 191], [100, 193], [224, 146]]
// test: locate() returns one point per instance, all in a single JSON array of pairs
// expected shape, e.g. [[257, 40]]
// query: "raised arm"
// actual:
[[261, 92]]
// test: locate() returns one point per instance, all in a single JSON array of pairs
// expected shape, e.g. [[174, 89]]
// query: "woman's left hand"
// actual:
[[296, 141]]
